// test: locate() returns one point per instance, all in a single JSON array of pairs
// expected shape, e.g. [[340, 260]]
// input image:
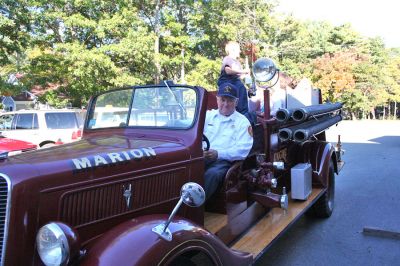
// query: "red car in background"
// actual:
[[9, 147]]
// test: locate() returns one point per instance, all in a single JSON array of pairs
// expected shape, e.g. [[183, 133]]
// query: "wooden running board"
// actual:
[[213, 222], [261, 235]]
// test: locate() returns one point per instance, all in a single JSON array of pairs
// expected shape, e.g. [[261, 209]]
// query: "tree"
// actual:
[[354, 102], [392, 77], [370, 81], [69, 50], [370, 75], [15, 26], [332, 73], [205, 74], [91, 46], [344, 37]]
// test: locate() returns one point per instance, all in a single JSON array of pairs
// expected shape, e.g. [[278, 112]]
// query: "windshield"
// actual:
[[164, 107]]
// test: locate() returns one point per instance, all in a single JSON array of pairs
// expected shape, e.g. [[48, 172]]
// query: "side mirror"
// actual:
[[264, 69], [193, 195]]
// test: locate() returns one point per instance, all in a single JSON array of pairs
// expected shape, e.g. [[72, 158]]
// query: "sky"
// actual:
[[369, 18]]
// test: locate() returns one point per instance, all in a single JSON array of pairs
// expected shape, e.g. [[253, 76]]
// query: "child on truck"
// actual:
[[232, 72]]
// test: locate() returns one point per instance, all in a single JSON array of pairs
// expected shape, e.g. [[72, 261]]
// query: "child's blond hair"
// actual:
[[231, 46]]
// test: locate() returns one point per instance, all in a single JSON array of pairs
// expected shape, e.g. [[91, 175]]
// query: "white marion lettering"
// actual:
[[114, 157], [149, 151], [126, 155], [137, 154], [81, 163], [99, 160]]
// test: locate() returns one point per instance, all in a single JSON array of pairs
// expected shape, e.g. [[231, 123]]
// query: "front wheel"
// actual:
[[323, 207]]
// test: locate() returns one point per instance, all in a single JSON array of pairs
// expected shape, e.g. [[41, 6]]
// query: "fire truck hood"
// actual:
[[96, 157]]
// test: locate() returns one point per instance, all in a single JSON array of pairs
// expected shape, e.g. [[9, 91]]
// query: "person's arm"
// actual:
[[233, 67], [231, 71]]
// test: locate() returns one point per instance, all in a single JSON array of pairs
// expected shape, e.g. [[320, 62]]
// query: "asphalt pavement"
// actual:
[[367, 195]]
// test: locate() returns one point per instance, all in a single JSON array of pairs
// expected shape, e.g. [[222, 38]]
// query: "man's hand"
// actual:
[[210, 155], [245, 71]]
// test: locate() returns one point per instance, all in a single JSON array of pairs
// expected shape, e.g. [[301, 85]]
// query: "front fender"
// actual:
[[319, 154], [134, 243]]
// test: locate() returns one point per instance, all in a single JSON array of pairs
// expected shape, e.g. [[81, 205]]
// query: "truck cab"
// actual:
[[102, 200]]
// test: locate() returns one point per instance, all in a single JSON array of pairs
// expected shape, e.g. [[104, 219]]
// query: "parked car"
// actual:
[[109, 117], [9, 147], [43, 127]]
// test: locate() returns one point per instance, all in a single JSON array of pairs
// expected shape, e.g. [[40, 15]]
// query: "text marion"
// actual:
[[113, 157]]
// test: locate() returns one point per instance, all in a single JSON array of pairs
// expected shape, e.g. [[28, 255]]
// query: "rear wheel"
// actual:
[[323, 207]]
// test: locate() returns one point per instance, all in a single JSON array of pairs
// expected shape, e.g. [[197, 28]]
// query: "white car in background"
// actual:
[[44, 128]]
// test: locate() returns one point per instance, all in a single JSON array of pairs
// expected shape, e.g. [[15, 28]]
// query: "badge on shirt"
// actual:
[[250, 130]]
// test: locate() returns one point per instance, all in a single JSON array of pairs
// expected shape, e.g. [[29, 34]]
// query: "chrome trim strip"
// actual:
[[7, 218]]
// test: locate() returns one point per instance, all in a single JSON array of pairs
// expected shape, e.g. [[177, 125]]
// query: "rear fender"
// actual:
[[134, 243], [319, 154]]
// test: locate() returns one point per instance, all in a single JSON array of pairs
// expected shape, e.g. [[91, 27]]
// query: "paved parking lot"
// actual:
[[367, 195]]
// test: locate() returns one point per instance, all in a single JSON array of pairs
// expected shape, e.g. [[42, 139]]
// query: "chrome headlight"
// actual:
[[52, 245]]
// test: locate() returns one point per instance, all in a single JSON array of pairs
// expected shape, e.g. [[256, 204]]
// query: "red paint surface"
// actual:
[[7, 144]]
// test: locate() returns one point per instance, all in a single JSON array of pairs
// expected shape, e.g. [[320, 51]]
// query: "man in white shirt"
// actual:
[[230, 136]]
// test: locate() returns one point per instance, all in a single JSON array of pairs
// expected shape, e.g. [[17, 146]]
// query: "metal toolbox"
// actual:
[[301, 175]]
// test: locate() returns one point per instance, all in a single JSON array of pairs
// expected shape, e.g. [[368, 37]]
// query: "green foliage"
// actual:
[[53, 98], [392, 70], [344, 37], [354, 101], [205, 74], [15, 26], [72, 49]]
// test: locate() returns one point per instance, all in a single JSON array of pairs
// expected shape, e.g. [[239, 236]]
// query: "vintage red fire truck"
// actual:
[[115, 197]]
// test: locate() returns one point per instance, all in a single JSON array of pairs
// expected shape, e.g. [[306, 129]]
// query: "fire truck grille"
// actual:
[[112, 199], [4, 202]]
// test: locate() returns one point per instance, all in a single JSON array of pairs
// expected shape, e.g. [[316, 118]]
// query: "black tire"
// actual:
[[48, 145], [182, 261], [192, 259], [323, 207]]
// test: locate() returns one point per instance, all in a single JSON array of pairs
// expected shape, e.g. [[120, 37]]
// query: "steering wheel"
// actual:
[[205, 139]]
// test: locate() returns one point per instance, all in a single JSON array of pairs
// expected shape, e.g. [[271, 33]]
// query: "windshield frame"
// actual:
[[92, 107]]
